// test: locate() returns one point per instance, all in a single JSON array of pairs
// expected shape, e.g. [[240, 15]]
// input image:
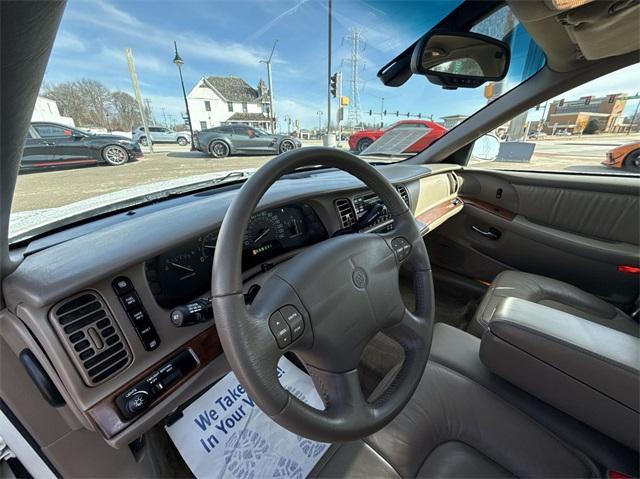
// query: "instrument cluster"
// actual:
[[184, 273]]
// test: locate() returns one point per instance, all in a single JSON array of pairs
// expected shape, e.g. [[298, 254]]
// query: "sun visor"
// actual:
[[604, 29]]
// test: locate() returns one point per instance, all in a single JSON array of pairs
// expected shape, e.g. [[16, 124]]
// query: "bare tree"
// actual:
[[90, 103], [69, 101], [97, 98], [126, 113]]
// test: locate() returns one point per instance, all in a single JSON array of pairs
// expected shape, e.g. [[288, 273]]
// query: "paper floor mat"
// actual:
[[223, 434]]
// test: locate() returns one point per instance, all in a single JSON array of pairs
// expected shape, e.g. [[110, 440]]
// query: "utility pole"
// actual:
[[635, 113], [136, 93], [164, 116], [328, 142], [319, 122], [147, 104], [270, 81], [541, 121], [354, 61]]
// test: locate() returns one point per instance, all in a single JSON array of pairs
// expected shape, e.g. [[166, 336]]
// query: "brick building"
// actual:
[[603, 114]]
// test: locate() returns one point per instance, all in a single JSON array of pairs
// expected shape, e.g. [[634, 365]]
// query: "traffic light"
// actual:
[[370, 112], [334, 84], [397, 113], [419, 116], [385, 112]]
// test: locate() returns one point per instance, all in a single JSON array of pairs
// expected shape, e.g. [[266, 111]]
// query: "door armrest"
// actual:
[[582, 368]]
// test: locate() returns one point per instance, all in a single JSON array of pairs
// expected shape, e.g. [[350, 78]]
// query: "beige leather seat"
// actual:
[[464, 421], [554, 294]]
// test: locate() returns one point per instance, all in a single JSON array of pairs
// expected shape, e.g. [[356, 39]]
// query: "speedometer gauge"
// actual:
[[207, 246], [264, 227]]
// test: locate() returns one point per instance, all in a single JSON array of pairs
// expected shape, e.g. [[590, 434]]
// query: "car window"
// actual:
[[52, 131], [594, 128], [409, 125], [240, 130]]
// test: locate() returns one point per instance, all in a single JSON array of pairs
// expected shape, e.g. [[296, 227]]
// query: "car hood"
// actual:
[[369, 131], [26, 224]]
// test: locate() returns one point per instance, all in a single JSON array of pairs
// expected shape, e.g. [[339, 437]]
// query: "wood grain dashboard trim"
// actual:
[[433, 215], [490, 208], [105, 414]]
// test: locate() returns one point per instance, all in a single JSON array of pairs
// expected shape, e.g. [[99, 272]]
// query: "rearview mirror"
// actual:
[[460, 60]]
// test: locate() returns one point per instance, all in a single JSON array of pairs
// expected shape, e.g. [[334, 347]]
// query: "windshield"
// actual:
[[248, 70]]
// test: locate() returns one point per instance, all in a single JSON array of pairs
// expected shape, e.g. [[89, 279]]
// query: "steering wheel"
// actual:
[[325, 304]]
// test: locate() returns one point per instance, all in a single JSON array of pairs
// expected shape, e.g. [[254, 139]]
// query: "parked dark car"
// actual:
[[54, 145], [226, 140]]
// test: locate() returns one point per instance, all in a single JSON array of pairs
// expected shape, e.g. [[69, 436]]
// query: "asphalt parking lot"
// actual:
[[62, 187]]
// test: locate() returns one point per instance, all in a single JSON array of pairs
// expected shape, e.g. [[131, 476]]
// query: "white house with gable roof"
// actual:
[[216, 101]]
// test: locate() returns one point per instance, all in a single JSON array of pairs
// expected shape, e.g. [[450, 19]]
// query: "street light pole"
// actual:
[[179, 62]]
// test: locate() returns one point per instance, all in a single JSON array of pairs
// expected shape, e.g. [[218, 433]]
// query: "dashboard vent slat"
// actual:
[[77, 321], [404, 194], [346, 212]]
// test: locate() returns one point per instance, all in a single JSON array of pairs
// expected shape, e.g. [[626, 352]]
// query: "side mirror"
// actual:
[[460, 60], [486, 148], [78, 136]]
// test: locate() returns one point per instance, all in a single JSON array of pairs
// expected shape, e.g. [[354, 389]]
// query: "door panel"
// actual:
[[37, 152], [573, 228], [72, 150]]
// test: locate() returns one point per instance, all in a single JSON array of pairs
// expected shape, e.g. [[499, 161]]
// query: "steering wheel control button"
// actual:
[[294, 319], [280, 329], [122, 285], [401, 247]]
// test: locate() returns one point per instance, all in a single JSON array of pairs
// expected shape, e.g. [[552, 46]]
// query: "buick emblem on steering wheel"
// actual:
[[359, 278]]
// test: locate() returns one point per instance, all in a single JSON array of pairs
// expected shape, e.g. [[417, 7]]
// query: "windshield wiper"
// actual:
[[231, 175], [30, 229]]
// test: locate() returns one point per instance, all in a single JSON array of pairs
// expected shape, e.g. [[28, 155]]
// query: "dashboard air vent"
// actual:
[[91, 337], [346, 213], [404, 194]]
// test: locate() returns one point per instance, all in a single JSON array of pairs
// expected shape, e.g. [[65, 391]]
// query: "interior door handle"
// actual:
[[50, 143], [491, 233]]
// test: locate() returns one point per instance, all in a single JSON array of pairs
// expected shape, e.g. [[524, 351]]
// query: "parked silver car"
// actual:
[[160, 134]]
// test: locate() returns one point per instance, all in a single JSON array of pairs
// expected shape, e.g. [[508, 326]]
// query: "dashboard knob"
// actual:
[[137, 402]]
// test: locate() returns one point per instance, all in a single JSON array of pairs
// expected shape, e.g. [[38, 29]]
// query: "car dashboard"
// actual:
[[95, 310]]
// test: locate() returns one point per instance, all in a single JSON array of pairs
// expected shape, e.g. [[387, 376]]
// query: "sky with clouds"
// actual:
[[230, 38]]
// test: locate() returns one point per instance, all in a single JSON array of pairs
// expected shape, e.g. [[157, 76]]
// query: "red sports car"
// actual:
[[361, 140]]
